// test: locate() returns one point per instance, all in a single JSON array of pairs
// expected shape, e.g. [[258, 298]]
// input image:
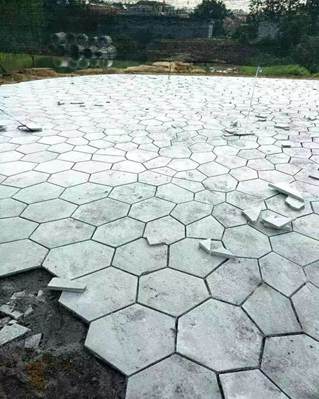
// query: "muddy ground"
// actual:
[[60, 367]]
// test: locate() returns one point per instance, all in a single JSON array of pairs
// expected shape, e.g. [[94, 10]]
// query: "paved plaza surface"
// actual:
[[127, 176]]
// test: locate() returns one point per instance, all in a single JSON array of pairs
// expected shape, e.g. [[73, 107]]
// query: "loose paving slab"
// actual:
[[79, 197]]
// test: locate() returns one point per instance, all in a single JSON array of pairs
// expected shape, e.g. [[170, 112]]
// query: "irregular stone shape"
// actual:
[[228, 215], [296, 247], [138, 257], [173, 193], [101, 211], [10, 332], [151, 209], [20, 256], [106, 291], [223, 183], [292, 362], [49, 210], [306, 302], [246, 241], [173, 378], [63, 284], [282, 274], [171, 291], [219, 336], [86, 192], [120, 338], [186, 256], [189, 212], [308, 225], [252, 214], [76, 260], [12, 229], [207, 227], [234, 280], [274, 220], [11, 208], [265, 305], [119, 232], [166, 230], [294, 203], [39, 192], [312, 272], [286, 188], [62, 232], [132, 193], [250, 384]]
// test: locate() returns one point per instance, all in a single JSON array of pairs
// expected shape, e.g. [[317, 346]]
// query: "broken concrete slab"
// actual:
[[33, 341], [9, 333], [252, 214], [294, 203], [205, 245], [218, 249], [8, 310], [275, 220], [63, 284], [286, 188]]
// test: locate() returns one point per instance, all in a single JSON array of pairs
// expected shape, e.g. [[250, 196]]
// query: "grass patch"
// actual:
[[277, 70]]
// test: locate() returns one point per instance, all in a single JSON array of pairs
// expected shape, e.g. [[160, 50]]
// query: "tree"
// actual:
[[211, 9], [274, 8]]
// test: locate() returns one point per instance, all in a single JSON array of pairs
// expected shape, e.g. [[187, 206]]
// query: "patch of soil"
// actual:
[[60, 367]]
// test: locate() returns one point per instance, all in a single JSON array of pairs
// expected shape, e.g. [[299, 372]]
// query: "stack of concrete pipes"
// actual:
[[81, 45]]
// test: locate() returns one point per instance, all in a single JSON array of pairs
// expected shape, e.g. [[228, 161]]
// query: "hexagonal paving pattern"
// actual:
[[120, 338], [85, 199]]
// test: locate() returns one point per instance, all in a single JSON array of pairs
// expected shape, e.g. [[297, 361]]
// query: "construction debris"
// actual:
[[9, 311], [294, 203], [10, 332], [285, 188], [252, 214], [33, 341], [215, 248], [275, 221]]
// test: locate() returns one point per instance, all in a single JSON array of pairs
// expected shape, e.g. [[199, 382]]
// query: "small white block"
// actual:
[[223, 252], [33, 341], [276, 221], [286, 189], [294, 203], [252, 214], [62, 284], [205, 245], [9, 333]]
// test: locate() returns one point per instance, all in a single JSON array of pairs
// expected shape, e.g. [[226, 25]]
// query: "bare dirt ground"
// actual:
[[60, 367]]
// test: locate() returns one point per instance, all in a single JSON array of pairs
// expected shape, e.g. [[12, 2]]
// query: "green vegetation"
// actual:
[[277, 70]]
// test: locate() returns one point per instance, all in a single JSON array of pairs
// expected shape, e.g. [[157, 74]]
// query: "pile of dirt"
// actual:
[[60, 367], [166, 67]]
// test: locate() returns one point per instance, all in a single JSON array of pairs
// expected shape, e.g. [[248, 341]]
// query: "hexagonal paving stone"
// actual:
[[243, 200], [173, 193], [312, 272], [189, 212], [20, 256], [76, 260], [15, 167], [296, 247], [207, 227], [234, 280], [277, 204], [182, 164], [54, 166], [49, 210], [68, 178], [86, 192], [281, 274], [101, 211], [229, 215], [62, 232], [246, 241], [120, 338], [171, 292], [292, 363], [91, 166], [186, 256], [219, 336], [306, 302], [175, 377], [308, 225], [264, 306], [223, 183], [251, 384], [138, 257], [132, 193], [119, 232], [39, 192], [210, 197], [165, 230], [12, 229], [150, 209], [213, 169], [113, 178], [26, 179], [256, 187], [106, 291], [243, 173], [10, 208]]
